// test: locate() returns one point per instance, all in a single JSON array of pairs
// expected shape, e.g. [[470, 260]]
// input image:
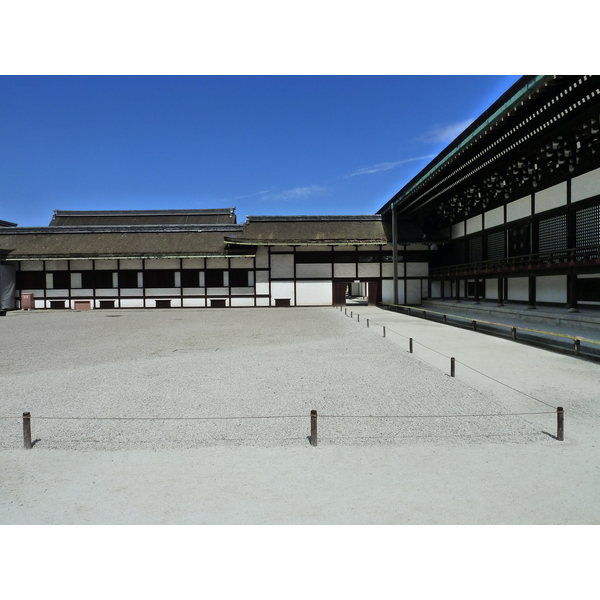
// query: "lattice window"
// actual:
[[476, 250], [496, 248], [553, 234], [587, 227]]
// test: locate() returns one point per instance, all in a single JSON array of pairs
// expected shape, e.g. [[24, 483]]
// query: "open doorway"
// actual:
[[356, 293]]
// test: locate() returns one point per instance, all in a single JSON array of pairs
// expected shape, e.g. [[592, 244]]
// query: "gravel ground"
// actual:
[[179, 379]]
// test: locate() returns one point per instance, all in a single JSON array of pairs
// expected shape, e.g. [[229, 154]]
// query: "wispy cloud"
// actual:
[[444, 133], [298, 193], [386, 166]]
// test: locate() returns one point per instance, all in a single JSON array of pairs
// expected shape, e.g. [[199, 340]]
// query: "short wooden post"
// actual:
[[513, 332], [383, 330], [313, 427], [474, 324], [27, 431], [409, 310], [560, 424], [577, 345], [367, 322], [350, 314], [444, 319], [452, 367], [346, 311], [425, 314], [357, 318], [410, 345]]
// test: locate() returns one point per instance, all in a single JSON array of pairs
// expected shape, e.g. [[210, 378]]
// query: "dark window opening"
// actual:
[[128, 279], [214, 277], [238, 278], [30, 280], [588, 290], [61, 280], [107, 303], [163, 304], [96, 279], [190, 278], [218, 304], [57, 304], [159, 279]]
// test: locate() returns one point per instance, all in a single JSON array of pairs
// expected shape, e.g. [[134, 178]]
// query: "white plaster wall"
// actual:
[[199, 291], [217, 291], [344, 270], [127, 303], [387, 270], [75, 280], [262, 288], [262, 277], [387, 291], [50, 280], [282, 248], [83, 293], [130, 292], [242, 263], [417, 246], [585, 186], [82, 265], [552, 197], [518, 209], [368, 270], [413, 291], [198, 302], [135, 264], [240, 291], [262, 258], [491, 288], [436, 289], [262, 302], [162, 291], [56, 293], [242, 302], [31, 265], [107, 292], [314, 293], [474, 224], [57, 265], [216, 263], [458, 230], [314, 270], [495, 217], [282, 265], [551, 289], [417, 269], [282, 289], [518, 288], [193, 263]]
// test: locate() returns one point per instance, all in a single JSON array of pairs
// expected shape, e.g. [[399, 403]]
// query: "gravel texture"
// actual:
[[177, 379]]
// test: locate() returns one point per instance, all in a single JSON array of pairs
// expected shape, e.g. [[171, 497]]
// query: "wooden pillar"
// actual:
[[477, 290], [500, 291], [531, 299], [457, 290]]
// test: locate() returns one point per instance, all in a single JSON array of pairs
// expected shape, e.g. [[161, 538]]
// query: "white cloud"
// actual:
[[386, 166], [298, 193], [444, 133]]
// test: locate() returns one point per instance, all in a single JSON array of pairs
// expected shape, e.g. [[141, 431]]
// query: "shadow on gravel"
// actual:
[[550, 435]]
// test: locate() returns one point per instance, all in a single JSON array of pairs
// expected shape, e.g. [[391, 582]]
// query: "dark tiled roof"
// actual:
[[308, 230], [49, 243], [100, 218]]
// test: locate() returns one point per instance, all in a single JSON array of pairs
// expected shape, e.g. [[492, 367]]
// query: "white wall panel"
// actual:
[[262, 302], [242, 302], [262, 276], [387, 291], [82, 293], [193, 263], [56, 293], [551, 289], [413, 291], [242, 263], [282, 248], [282, 290], [31, 265], [474, 224], [107, 292], [458, 230], [553, 197], [585, 186], [75, 280], [162, 291], [190, 291], [262, 288], [134, 264], [436, 289], [344, 270], [420, 269], [199, 302], [57, 265], [131, 292], [518, 288], [314, 270], [82, 265], [217, 291], [216, 263], [241, 291], [282, 265], [495, 217], [262, 258], [314, 293], [126, 303], [387, 270], [518, 209], [368, 270]]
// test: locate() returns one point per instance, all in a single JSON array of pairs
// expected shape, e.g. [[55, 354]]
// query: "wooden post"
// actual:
[[313, 427], [452, 367], [513, 332], [474, 324], [357, 318], [444, 318], [27, 431], [577, 345], [367, 322], [425, 314], [410, 345], [383, 330], [560, 425], [350, 314]]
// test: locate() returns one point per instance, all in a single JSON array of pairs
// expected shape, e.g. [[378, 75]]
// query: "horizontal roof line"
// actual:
[[292, 218], [78, 229], [109, 213]]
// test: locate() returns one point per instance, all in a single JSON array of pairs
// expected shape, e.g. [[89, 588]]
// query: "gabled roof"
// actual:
[[7, 224], [101, 218]]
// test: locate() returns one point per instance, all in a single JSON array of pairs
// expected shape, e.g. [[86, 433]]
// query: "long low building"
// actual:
[[509, 211], [203, 258]]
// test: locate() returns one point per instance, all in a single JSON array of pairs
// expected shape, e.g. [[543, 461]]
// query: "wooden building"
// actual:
[[516, 198]]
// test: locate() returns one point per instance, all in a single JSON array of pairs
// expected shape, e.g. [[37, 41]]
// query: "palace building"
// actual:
[[509, 211]]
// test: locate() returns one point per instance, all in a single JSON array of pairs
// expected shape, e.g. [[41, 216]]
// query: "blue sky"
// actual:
[[267, 145]]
